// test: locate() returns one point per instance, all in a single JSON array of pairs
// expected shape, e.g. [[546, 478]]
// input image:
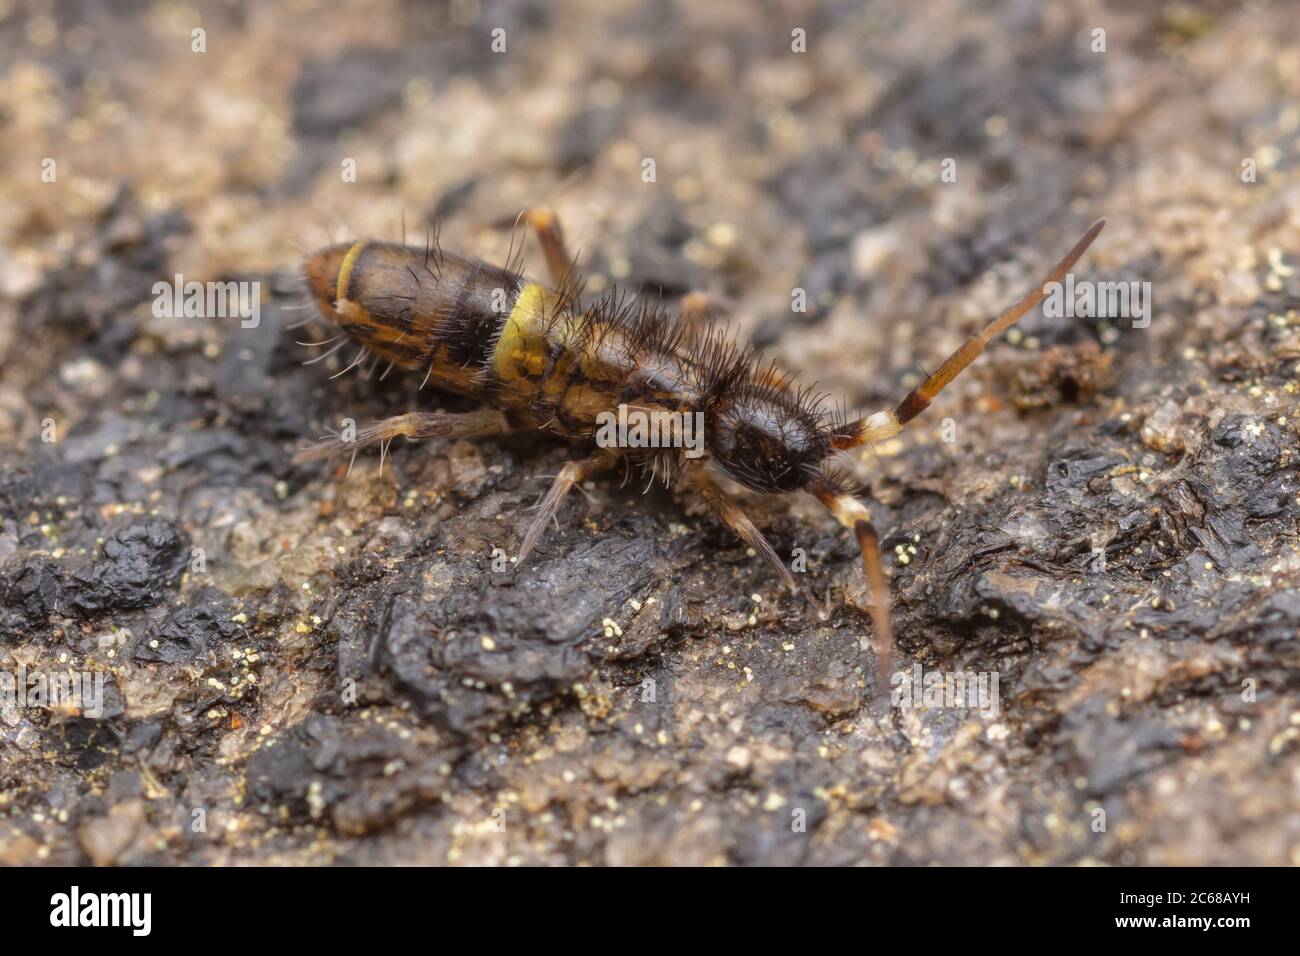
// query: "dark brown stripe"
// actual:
[[910, 407]]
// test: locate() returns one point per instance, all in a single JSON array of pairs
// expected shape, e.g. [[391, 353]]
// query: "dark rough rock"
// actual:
[[140, 563]]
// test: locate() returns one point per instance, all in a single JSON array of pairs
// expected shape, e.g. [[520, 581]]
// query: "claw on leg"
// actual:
[[413, 425], [571, 474]]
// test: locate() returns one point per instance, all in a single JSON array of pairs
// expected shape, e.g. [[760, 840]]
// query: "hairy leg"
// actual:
[[730, 513], [413, 425], [571, 474]]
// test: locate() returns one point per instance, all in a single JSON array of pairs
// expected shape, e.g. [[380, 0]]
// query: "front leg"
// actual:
[[853, 514], [729, 512]]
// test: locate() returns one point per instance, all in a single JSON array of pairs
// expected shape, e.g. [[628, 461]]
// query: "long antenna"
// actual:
[[923, 394]]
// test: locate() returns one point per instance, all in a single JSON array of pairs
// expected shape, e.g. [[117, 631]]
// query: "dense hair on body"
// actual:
[[762, 428], [543, 356], [432, 310]]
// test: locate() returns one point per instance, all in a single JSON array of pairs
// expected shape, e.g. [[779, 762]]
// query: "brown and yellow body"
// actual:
[[416, 310], [484, 331], [538, 356]]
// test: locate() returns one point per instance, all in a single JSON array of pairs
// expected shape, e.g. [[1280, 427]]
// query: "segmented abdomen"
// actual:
[[439, 312], [485, 331]]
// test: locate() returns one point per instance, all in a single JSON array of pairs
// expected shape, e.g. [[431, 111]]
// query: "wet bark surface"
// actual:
[[309, 665]]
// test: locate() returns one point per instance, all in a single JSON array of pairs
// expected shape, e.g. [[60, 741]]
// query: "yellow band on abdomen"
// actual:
[[345, 270], [515, 333]]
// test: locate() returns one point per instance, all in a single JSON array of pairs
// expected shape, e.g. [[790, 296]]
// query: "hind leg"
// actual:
[[413, 425], [546, 224], [697, 308]]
